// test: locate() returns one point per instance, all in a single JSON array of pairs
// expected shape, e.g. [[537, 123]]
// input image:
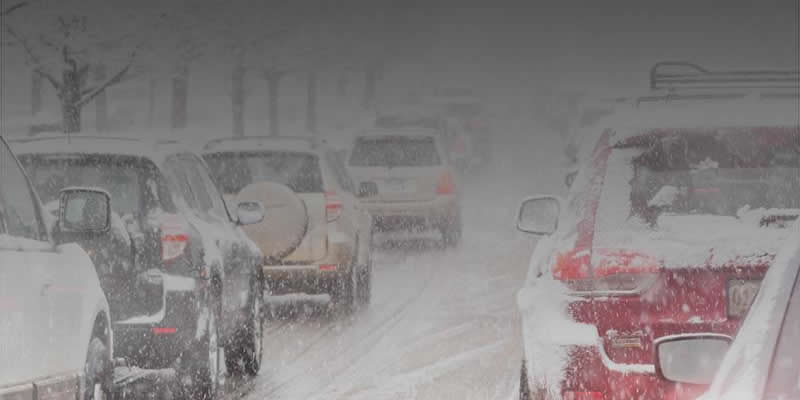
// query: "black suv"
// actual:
[[182, 279]]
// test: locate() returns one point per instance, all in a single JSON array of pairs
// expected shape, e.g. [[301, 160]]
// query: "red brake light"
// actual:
[[333, 206], [173, 238], [447, 184], [163, 331], [616, 272]]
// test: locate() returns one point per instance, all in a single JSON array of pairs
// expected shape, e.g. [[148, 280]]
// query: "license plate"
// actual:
[[398, 186], [741, 293]]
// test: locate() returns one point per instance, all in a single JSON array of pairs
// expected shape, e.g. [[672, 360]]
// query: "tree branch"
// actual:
[[38, 68], [86, 98], [13, 8]]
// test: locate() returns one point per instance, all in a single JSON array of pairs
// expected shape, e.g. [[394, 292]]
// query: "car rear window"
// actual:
[[234, 171], [395, 151], [133, 182]]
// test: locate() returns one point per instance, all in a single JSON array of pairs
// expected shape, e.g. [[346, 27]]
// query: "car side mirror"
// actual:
[[569, 178], [249, 212], [539, 215], [82, 213], [367, 189], [690, 358]]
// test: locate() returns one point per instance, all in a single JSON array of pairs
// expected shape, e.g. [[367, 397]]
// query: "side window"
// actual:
[[176, 173], [218, 208], [198, 186], [17, 204]]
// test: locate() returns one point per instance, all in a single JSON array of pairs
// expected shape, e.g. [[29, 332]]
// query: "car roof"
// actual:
[[302, 144], [153, 149]]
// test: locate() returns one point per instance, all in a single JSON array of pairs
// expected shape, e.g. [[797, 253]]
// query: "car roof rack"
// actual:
[[676, 75]]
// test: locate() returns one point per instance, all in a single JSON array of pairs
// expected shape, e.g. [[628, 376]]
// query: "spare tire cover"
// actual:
[[285, 218]]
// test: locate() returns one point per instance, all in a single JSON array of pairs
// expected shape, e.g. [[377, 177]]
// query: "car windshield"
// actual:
[[234, 171], [395, 151], [131, 181]]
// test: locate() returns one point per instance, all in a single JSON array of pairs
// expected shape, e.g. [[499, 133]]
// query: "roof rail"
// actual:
[[673, 75], [308, 138]]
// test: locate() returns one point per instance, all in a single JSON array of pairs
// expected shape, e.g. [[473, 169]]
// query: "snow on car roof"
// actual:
[[303, 144], [85, 144], [405, 131]]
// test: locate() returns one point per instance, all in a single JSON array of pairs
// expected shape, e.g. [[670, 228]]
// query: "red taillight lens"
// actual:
[[582, 395], [333, 206], [327, 267], [164, 330], [174, 240], [613, 272], [447, 184]]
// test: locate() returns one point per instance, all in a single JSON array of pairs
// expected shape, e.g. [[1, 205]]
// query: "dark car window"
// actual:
[[17, 206], [395, 151], [201, 195], [134, 183], [784, 375], [217, 203], [232, 172]]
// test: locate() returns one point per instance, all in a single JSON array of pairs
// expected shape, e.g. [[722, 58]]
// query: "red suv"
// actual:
[[669, 227]]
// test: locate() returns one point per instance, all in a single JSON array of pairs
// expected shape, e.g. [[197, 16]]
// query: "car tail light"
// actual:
[[447, 184], [157, 330], [582, 395], [333, 206], [327, 267], [613, 273], [174, 239]]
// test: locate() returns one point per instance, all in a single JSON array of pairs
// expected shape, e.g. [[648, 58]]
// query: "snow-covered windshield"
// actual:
[[234, 171], [395, 151], [121, 176], [712, 172]]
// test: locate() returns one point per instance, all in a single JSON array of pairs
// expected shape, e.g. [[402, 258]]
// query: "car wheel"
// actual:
[[205, 371], [344, 296], [365, 285], [451, 233], [246, 352], [524, 389], [98, 372]]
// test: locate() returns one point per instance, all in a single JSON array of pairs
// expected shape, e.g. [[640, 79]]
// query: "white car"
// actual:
[[55, 340], [406, 182]]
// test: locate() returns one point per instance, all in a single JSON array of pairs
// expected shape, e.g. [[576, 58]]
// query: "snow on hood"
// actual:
[[686, 241]]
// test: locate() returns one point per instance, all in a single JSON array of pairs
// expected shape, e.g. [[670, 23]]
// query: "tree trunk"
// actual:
[[180, 93], [370, 81], [151, 103], [36, 93], [311, 103], [101, 101], [273, 89], [70, 96], [237, 99]]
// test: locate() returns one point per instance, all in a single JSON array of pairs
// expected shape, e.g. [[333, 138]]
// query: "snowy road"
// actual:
[[442, 324]]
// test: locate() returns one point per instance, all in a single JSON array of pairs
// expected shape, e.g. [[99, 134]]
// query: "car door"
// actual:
[[359, 222], [31, 346]]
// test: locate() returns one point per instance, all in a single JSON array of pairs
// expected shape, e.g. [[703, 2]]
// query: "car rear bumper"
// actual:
[[320, 277], [414, 214], [156, 341]]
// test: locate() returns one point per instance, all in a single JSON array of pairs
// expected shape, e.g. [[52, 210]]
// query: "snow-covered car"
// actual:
[[54, 330], [406, 182], [668, 229], [334, 254], [183, 280], [763, 361]]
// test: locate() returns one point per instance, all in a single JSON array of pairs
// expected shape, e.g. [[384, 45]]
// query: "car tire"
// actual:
[[246, 351], [98, 371], [364, 287], [344, 296], [206, 365], [524, 388], [451, 233]]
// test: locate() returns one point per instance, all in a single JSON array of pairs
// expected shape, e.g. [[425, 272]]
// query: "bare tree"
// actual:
[[62, 45]]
